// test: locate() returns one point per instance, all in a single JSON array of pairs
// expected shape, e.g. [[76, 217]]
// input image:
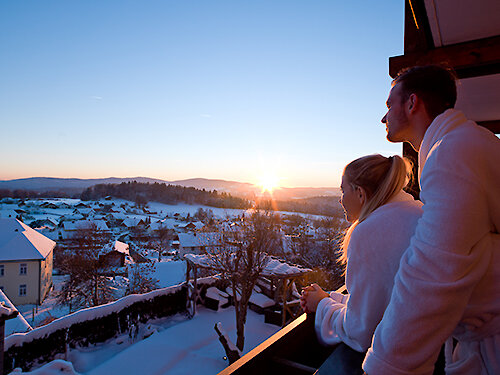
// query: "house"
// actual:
[[71, 227], [25, 262], [192, 226], [130, 222], [116, 257], [49, 223], [49, 205], [72, 217], [197, 243], [159, 225], [83, 211]]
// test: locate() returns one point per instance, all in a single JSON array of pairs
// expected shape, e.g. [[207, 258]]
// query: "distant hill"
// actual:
[[66, 185], [74, 186]]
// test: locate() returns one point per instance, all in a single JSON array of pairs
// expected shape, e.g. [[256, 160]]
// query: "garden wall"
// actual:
[[95, 325]]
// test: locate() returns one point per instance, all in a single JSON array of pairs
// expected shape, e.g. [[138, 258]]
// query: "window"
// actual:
[[22, 290], [23, 269], [2, 270]]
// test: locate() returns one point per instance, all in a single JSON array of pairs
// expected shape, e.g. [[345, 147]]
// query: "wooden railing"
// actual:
[[293, 350]]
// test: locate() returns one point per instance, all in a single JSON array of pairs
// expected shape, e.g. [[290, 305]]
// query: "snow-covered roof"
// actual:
[[194, 224], [85, 224], [274, 267], [160, 225], [200, 239], [20, 242], [118, 215], [131, 221], [17, 324], [51, 221], [122, 247], [85, 211], [278, 267], [72, 217], [8, 214]]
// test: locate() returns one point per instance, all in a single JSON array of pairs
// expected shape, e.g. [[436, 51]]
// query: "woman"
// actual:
[[383, 220]]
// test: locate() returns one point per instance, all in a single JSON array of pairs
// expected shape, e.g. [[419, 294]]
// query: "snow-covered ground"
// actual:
[[169, 273], [49, 309], [176, 346]]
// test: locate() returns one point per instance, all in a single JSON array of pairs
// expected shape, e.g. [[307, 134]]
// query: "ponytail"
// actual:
[[381, 178]]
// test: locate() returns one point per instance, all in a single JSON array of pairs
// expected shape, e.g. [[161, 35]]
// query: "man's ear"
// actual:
[[412, 102]]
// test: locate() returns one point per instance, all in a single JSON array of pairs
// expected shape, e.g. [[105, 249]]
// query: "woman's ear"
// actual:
[[361, 194]]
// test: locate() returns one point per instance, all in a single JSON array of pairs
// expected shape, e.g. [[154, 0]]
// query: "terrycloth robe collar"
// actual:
[[442, 125]]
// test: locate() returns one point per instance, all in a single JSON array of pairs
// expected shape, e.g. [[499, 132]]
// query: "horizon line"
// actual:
[[168, 181]]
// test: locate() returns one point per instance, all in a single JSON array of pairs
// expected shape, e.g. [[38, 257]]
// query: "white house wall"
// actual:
[[12, 280]]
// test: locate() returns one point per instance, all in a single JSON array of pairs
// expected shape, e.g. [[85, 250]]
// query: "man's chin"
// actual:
[[392, 139]]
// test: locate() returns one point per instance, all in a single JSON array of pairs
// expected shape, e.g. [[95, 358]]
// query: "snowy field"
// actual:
[[176, 346]]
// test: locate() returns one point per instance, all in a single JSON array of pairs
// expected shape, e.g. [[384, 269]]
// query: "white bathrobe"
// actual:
[[448, 283], [373, 256]]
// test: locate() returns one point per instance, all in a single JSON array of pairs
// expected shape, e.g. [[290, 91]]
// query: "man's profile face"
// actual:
[[396, 119]]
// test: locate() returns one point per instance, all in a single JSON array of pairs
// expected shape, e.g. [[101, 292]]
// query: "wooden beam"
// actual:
[[469, 59], [418, 35]]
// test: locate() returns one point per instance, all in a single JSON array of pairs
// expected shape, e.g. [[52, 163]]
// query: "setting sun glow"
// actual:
[[269, 183]]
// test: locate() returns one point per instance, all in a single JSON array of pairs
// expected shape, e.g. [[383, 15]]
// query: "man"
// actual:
[[448, 283]]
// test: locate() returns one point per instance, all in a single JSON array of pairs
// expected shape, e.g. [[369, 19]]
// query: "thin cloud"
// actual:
[[204, 115], [96, 97]]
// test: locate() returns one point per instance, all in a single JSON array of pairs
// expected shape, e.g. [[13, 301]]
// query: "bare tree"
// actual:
[[242, 256], [86, 286], [141, 280], [160, 241]]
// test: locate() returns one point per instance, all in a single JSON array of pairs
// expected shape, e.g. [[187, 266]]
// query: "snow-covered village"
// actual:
[[249, 187], [100, 283]]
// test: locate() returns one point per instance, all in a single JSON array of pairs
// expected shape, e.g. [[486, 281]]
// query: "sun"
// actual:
[[269, 183]]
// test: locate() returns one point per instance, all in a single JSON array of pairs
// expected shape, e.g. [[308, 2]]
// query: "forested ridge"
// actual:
[[141, 193]]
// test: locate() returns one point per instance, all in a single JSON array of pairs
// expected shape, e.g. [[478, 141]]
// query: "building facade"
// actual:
[[26, 259]]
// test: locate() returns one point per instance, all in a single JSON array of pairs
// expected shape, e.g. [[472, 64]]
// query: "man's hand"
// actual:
[[311, 295]]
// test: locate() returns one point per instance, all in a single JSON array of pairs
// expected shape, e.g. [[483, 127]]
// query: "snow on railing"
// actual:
[[91, 313], [274, 266]]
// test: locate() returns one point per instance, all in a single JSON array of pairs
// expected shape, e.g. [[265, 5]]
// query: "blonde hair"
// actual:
[[381, 178]]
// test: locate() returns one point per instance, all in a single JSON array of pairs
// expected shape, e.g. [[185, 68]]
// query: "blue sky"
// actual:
[[195, 88]]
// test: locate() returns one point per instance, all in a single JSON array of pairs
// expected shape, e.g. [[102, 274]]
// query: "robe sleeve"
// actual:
[[353, 319], [447, 257]]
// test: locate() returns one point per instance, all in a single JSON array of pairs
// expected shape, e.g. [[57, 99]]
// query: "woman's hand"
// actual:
[[311, 295]]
